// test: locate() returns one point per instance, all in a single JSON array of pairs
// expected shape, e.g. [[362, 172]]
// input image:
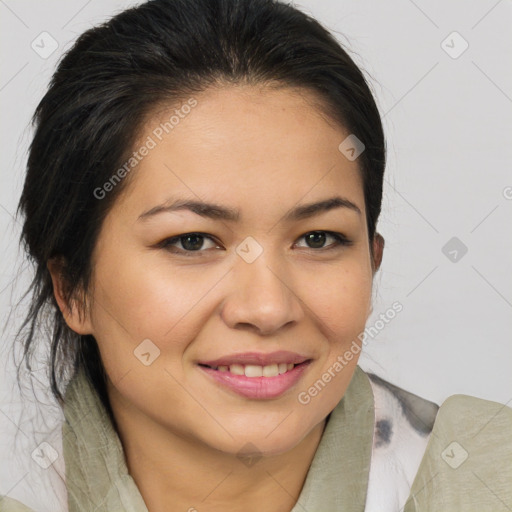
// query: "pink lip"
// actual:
[[258, 387], [257, 358]]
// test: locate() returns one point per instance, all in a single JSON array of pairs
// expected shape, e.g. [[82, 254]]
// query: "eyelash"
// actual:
[[341, 241]]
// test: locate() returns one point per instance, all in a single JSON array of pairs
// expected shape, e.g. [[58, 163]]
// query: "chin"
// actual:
[[261, 441]]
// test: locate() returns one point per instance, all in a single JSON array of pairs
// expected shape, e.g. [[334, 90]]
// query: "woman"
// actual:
[[201, 202]]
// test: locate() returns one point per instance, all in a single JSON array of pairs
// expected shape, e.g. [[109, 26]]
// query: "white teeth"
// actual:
[[253, 370], [237, 369], [272, 370]]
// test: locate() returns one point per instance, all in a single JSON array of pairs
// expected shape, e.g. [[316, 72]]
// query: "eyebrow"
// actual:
[[217, 212]]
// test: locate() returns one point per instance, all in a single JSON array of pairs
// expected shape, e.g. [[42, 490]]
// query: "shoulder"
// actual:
[[468, 461], [476, 412], [11, 505]]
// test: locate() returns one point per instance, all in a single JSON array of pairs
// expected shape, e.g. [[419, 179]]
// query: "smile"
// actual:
[[269, 380]]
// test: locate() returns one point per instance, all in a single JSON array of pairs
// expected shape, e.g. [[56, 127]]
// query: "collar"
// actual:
[[97, 476]]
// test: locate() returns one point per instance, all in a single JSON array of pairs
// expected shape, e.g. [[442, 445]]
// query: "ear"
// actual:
[[74, 314], [378, 249]]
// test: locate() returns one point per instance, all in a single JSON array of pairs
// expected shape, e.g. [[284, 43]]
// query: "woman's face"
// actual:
[[177, 320]]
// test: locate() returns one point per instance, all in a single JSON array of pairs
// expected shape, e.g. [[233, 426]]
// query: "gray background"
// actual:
[[448, 122]]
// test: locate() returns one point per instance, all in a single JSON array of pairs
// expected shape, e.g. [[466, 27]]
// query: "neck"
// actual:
[[169, 468]]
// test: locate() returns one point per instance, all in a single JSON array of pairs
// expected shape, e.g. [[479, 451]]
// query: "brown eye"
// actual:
[[317, 239], [190, 243]]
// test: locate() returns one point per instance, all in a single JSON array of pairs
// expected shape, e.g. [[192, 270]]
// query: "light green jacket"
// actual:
[[97, 478]]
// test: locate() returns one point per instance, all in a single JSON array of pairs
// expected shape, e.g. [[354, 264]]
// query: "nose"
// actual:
[[262, 297]]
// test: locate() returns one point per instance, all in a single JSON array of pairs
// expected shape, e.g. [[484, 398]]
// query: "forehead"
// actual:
[[252, 146]]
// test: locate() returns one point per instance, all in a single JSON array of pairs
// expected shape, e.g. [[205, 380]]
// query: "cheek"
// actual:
[[341, 298], [145, 298], [341, 302], [148, 297]]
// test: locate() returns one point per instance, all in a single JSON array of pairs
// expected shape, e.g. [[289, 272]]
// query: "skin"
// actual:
[[264, 152]]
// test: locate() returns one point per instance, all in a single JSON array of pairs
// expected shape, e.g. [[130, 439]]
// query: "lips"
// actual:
[[256, 375]]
